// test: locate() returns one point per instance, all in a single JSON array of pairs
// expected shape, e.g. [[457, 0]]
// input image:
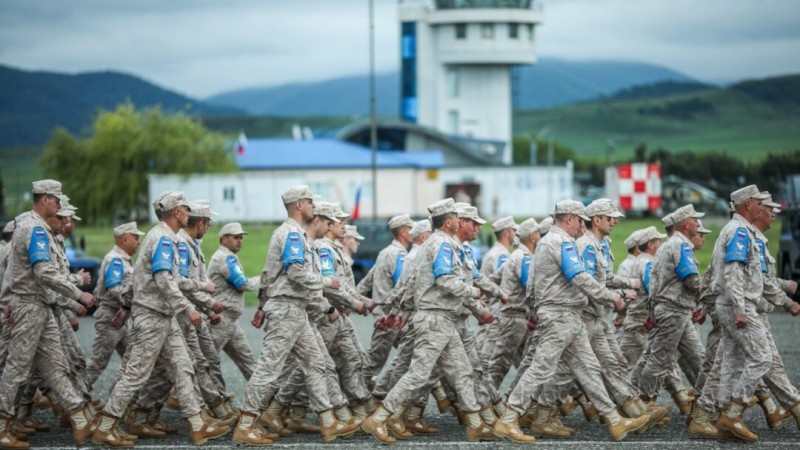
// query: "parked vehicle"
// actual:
[[789, 248]]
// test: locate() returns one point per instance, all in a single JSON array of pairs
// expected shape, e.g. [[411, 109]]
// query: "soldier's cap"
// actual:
[[602, 207], [297, 193], [504, 223], [570, 207], [48, 187], [173, 200], [668, 221], [233, 229], [403, 220], [127, 228], [202, 208], [446, 206], [10, 226], [471, 213], [649, 234], [701, 229], [545, 224], [352, 231], [340, 214], [685, 212], [68, 212], [527, 227], [420, 227], [631, 241], [159, 197], [768, 201], [325, 209], [746, 193]]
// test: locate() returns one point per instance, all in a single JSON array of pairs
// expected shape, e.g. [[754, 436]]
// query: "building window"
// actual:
[[513, 31], [487, 30], [228, 194], [453, 81], [461, 31], [452, 118], [530, 32]]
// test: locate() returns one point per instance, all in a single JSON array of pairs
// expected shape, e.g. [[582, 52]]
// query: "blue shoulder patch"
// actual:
[[470, 261], [500, 261], [183, 259], [163, 255], [326, 262], [525, 271], [235, 272], [687, 265], [443, 264], [607, 251], [114, 273], [590, 260], [571, 263], [762, 254], [398, 267], [738, 249], [293, 250], [39, 247], [648, 269]]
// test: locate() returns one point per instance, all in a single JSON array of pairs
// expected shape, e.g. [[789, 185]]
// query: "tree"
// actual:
[[107, 172]]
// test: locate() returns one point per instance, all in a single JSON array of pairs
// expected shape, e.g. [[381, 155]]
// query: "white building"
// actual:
[[456, 59]]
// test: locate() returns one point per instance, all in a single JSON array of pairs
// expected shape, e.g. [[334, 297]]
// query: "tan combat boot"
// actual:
[[547, 424], [26, 419], [248, 432], [526, 419], [271, 418], [478, 430], [7, 439], [299, 423], [731, 420], [155, 422], [172, 401], [566, 408], [778, 415], [656, 413], [139, 424], [795, 412], [683, 401], [200, 431], [107, 432], [590, 413], [508, 428], [619, 427], [332, 428], [702, 427], [375, 425], [81, 423], [397, 426], [417, 425], [41, 401]]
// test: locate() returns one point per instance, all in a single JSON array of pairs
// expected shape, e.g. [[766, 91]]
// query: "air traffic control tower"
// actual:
[[456, 62]]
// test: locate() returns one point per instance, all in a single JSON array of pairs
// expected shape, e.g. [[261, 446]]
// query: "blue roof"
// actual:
[[287, 154]]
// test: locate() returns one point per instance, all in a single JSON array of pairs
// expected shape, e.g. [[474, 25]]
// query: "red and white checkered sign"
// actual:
[[639, 186]]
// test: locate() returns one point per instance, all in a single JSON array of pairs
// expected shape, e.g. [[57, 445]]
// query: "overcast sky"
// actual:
[[203, 47]]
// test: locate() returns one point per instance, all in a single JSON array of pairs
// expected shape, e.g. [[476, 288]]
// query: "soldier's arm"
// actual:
[[365, 285], [168, 289], [615, 281], [50, 277], [488, 286]]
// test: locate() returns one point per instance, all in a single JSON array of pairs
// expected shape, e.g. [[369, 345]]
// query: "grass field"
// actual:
[[253, 255]]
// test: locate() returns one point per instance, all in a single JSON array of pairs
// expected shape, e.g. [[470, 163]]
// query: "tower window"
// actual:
[[487, 30], [513, 31], [452, 118], [530, 32], [453, 82], [461, 31]]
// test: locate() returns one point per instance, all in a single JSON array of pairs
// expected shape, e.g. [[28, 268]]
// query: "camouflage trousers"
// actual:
[[107, 339], [488, 334], [36, 340], [563, 343], [229, 337], [346, 354], [437, 343], [153, 338], [485, 392], [776, 381], [287, 332], [611, 359], [380, 346], [745, 354], [511, 335], [76, 358], [399, 364], [634, 339]]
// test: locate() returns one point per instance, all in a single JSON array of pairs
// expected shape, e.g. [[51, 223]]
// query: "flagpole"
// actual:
[[373, 129]]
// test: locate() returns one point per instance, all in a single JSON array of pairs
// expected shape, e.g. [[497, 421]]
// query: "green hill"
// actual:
[[748, 120]]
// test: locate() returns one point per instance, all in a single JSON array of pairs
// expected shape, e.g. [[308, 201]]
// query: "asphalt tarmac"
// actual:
[[785, 328]]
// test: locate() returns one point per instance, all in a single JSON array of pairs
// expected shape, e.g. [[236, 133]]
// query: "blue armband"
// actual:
[[326, 262], [163, 255], [443, 264], [114, 273], [571, 263], [398, 267], [607, 251], [470, 261], [293, 250], [500, 261], [236, 273], [762, 254], [738, 249], [648, 268], [590, 260], [525, 271], [183, 259], [39, 247], [687, 265]]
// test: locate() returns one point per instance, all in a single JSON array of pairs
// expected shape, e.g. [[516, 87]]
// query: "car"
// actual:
[[78, 259]]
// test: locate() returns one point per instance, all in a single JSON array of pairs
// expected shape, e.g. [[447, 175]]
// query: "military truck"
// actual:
[[789, 250]]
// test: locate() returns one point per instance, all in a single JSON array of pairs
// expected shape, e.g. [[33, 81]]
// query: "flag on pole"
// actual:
[[242, 145], [357, 206]]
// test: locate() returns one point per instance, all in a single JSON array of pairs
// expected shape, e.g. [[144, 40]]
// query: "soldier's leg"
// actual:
[[317, 366], [776, 379], [615, 378], [207, 387], [663, 351], [712, 341], [331, 377], [211, 355], [380, 347], [106, 340], [180, 369], [510, 333], [749, 360], [691, 352], [401, 362], [485, 392], [529, 352], [238, 349], [347, 357], [633, 342]]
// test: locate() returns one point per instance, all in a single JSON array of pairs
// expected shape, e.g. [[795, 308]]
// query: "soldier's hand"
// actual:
[[358, 306], [794, 310], [119, 318], [211, 287], [476, 293], [636, 284], [400, 323], [215, 319], [793, 287], [370, 304], [87, 300], [380, 324], [699, 315], [333, 316], [258, 319], [532, 323], [335, 283], [196, 318], [504, 298], [618, 322], [73, 322], [649, 324], [486, 317], [80, 312], [619, 305], [217, 307], [741, 321], [86, 277], [630, 294]]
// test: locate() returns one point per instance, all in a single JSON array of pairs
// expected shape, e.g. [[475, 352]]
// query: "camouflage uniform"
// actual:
[[491, 267]]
